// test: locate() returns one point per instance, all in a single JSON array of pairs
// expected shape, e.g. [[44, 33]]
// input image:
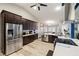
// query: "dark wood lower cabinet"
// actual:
[[51, 38], [29, 39]]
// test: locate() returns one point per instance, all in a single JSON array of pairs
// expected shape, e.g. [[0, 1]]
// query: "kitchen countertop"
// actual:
[[29, 34], [50, 34], [63, 37], [65, 49]]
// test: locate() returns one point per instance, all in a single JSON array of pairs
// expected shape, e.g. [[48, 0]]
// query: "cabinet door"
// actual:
[[27, 25], [8, 17], [11, 17], [17, 19], [31, 25], [36, 27], [24, 24], [25, 40], [36, 36]]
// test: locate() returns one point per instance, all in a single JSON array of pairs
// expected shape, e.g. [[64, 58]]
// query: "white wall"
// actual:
[[17, 10]]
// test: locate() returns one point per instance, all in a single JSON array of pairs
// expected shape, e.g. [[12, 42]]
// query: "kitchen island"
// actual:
[[66, 49], [49, 37]]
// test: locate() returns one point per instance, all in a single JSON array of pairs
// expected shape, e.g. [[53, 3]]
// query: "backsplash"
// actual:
[[30, 31]]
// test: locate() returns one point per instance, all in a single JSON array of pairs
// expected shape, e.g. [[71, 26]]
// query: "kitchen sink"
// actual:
[[66, 41]]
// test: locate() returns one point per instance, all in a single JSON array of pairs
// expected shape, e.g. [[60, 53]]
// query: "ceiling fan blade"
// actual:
[[42, 4], [38, 8], [77, 4], [33, 5]]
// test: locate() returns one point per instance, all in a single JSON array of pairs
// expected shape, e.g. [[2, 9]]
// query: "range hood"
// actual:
[[69, 12]]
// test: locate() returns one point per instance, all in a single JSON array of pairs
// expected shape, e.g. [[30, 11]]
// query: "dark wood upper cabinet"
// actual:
[[29, 25], [11, 17], [35, 25], [18, 19], [25, 24], [8, 17]]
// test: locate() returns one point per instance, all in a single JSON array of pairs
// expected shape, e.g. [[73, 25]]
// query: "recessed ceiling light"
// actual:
[[50, 22], [58, 8]]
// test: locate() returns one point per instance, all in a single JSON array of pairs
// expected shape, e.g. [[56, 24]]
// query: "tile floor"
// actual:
[[36, 48]]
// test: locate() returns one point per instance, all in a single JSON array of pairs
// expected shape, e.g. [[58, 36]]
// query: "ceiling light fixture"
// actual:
[[38, 6], [58, 8], [50, 22], [35, 7]]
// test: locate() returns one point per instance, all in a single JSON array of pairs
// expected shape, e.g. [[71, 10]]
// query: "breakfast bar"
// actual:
[[62, 49]]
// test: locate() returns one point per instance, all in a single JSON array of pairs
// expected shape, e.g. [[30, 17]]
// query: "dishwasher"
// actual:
[[45, 38]]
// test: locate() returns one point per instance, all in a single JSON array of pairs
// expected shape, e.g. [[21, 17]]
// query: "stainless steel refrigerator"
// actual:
[[13, 38]]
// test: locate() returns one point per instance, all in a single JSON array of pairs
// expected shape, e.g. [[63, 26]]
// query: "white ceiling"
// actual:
[[45, 13]]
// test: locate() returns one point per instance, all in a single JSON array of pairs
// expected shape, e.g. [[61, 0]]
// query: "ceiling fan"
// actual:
[[63, 4], [37, 5], [76, 6]]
